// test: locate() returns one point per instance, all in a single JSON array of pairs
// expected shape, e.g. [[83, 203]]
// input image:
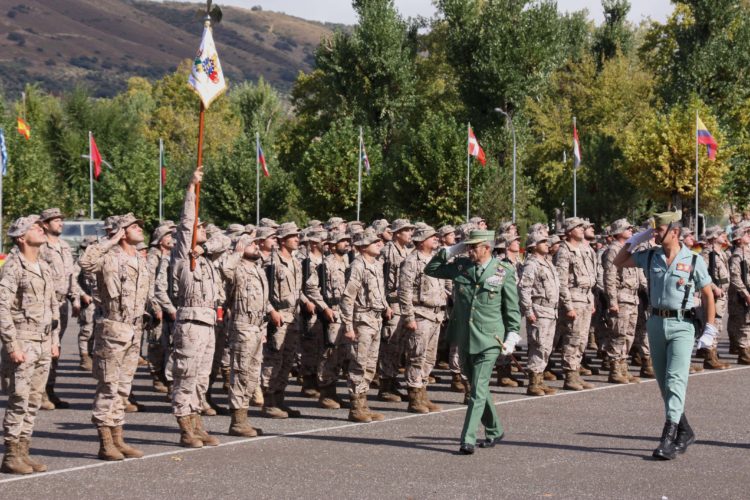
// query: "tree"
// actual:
[[614, 35]]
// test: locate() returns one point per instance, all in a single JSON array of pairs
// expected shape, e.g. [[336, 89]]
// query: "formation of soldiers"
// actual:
[[256, 305]]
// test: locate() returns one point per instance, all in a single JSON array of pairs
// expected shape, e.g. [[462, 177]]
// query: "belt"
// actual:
[[721, 282], [669, 313], [391, 300]]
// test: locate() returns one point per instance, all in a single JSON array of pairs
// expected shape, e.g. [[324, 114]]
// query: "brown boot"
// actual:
[[107, 448], [624, 369], [617, 372], [157, 383], [240, 426], [572, 381], [119, 442], [606, 364], [535, 388], [711, 360], [188, 439], [416, 405], [592, 342], [200, 431], [434, 408], [744, 356], [549, 376], [207, 410], [358, 411], [226, 376], [46, 403], [24, 446], [696, 368], [374, 416], [309, 390], [13, 462], [457, 383], [328, 399], [547, 389], [504, 377], [86, 362], [387, 391], [129, 407], [647, 368], [289, 411], [270, 408], [257, 397]]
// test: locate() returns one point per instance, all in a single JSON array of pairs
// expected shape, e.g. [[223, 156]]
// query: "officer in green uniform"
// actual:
[[485, 322], [674, 275]]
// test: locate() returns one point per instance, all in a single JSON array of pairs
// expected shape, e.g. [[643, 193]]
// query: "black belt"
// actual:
[[721, 282], [669, 313]]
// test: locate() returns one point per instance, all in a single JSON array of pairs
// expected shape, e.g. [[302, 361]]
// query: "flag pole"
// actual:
[[359, 174], [468, 170], [575, 181], [2, 174], [696, 174], [161, 179], [91, 180], [257, 178], [201, 118]]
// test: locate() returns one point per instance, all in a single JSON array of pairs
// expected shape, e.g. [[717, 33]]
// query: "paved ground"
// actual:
[[590, 444]]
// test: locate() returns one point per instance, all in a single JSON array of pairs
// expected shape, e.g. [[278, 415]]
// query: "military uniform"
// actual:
[[311, 342], [29, 324], [739, 290], [87, 300], [718, 268], [485, 313]]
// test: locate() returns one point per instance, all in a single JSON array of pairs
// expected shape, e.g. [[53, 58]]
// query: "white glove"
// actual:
[[454, 250], [639, 238], [706, 341], [510, 342]]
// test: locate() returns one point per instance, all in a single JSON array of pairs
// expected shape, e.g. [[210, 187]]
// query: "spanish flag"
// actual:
[[703, 136], [24, 129]]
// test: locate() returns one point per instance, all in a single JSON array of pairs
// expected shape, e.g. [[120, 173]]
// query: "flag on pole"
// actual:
[[163, 168], [206, 77], [3, 153], [576, 148], [703, 136], [23, 128], [475, 149], [262, 160], [96, 158], [365, 159]]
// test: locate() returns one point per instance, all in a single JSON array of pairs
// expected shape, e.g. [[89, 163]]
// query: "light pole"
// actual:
[[513, 131]]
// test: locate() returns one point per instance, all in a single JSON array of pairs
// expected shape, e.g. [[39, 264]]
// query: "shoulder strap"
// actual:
[[648, 269], [712, 264], [689, 284]]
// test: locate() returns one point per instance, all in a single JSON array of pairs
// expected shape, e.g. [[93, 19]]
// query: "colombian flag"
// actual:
[[23, 128], [703, 136]]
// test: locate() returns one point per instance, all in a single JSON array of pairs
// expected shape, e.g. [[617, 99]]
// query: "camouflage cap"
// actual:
[[353, 224], [380, 226], [713, 232], [572, 223], [167, 222], [500, 243], [666, 218], [505, 226], [263, 233], [316, 235], [533, 239], [685, 232], [20, 226], [401, 224], [334, 221], [111, 222], [619, 226], [128, 220], [480, 236], [587, 224], [337, 236], [740, 229], [141, 246], [477, 220], [235, 229], [212, 230], [539, 227], [446, 230], [50, 213], [423, 232], [553, 240], [88, 240], [287, 230], [314, 223], [266, 222], [510, 238], [159, 233], [249, 229], [366, 238], [464, 229]]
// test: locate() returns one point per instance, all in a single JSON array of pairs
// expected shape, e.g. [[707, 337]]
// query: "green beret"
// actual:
[[479, 236], [666, 218]]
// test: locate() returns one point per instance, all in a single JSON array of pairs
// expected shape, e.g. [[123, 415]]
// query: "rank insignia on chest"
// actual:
[[494, 280], [684, 267]]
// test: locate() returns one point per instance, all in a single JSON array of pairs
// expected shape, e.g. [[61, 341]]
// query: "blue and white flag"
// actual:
[[3, 153]]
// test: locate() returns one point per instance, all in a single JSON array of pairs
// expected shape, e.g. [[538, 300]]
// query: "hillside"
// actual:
[[101, 43]]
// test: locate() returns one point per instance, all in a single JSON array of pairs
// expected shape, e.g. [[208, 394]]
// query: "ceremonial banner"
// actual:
[[475, 149], [262, 161], [206, 77], [576, 147], [703, 136]]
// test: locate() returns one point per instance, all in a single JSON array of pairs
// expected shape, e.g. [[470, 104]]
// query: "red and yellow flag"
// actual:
[[24, 129]]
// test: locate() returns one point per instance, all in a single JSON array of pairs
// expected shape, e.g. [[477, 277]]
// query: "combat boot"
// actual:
[[636, 358], [434, 408], [240, 426], [647, 368], [200, 431], [467, 392], [59, 403], [270, 408], [358, 411], [86, 363], [308, 387], [711, 360], [592, 342], [188, 439], [549, 376], [666, 449], [606, 363], [13, 462], [328, 398], [129, 406], [586, 368], [119, 442], [46, 404], [374, 416], [457, 383], [387, 392], [416, 405], [632, 379], [696, 368], [535, 388], [547, 389], [107, 448], [289, 411], [226, 377], [505, 378], [685, 435], [617, 372], [24, 446], [157, 383], [257, 397], [744, 356]]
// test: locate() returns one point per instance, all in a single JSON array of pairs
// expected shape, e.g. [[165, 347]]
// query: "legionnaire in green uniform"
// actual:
[[484, 323], [673, 272]]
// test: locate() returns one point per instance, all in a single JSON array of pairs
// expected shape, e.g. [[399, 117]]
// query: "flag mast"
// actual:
[[696, 173], [161, 179], [257, 178], [91, 179], [359, 174], [575, 174], [468, 169]]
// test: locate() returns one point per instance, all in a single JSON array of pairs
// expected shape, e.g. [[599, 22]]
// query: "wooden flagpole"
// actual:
[[198, 186]]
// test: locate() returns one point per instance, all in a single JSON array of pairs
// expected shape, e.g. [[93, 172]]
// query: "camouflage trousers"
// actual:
[[222, 356], [454, 359], [64, 312], [24, 385], [422, 346], [86, 319], [155, 352], [192, 355], [392, 346], [739, 324], [278, 356], [622, 331], [335, 354], [115, 364], [540, 337], [575, 335], [722, 308], [311, 346], [640, 342], [363, 353], [246, 355]]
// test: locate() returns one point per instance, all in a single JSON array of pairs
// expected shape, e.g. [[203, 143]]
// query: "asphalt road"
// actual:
[[591, 444]]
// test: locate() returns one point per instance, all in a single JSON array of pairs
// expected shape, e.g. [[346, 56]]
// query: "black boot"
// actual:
[[685, 435], [59, 403], [666, 449]]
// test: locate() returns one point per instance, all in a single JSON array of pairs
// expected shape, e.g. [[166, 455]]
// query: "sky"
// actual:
[[340, 11]]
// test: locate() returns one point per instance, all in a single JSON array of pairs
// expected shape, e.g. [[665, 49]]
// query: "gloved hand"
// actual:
[[639, 238], [454, 250], [706, 341], [510, 342]]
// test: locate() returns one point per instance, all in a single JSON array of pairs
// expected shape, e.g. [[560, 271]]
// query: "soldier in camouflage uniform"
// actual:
[[29, 333], [90, 308], [311, 343], [718, 268], [739, 291], [161, 243]]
